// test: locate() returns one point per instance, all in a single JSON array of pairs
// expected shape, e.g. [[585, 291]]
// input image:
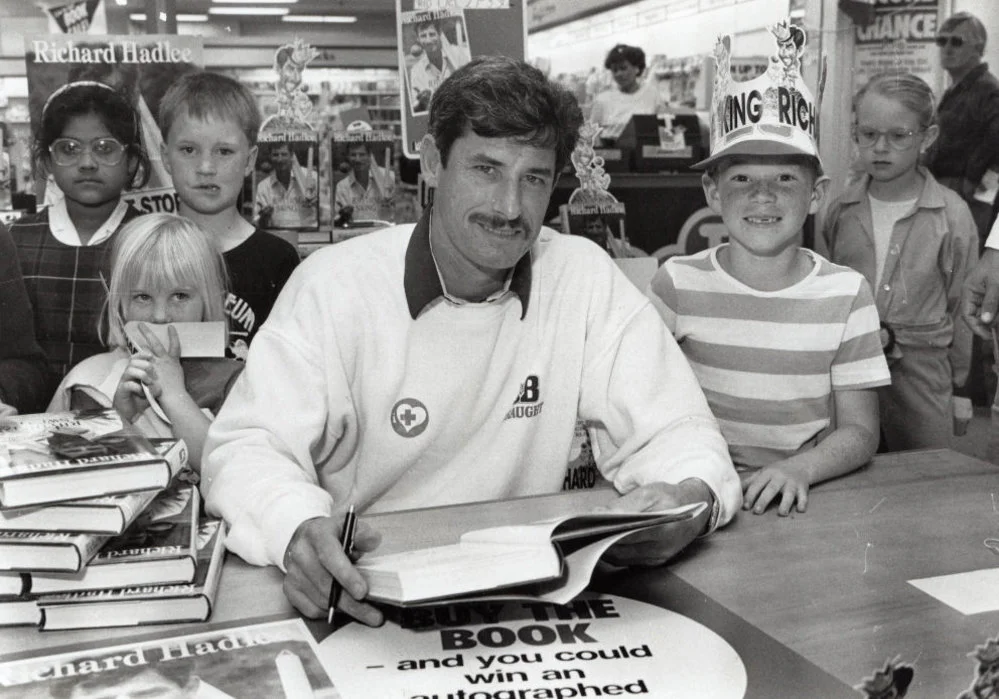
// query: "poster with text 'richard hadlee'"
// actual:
[[141, 66]]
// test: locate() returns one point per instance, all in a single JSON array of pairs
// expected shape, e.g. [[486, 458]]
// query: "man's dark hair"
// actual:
[[420, 26], [621, 53], [177, 672], [501, 97]]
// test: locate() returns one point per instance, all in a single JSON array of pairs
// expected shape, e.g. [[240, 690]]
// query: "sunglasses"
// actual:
[[955, 41]]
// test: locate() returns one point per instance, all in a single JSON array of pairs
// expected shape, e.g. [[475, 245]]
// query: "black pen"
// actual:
[[347, 544]]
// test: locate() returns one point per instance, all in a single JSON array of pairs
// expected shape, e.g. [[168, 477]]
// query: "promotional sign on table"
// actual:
[[616, 645], [275, 660], [436, 37]]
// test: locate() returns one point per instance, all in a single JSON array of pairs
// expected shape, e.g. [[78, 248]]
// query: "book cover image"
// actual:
[[364, 185], [437, 37], [602, 222], [276, 660], [434, 45], [163, 529], [142, 66], [285, 181], [27, 441]]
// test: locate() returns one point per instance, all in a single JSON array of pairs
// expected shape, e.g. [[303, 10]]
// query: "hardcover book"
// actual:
[[19, 611], [550, 561], [54, 457], [144, 604], [48, 551], [109, 514], [159, 548], [273, 660]]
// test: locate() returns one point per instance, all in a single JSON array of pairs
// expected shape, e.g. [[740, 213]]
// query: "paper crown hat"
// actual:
[[772, 114]]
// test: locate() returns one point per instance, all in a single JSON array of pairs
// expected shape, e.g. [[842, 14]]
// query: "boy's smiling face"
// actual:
[[764, 201], [208, 160]]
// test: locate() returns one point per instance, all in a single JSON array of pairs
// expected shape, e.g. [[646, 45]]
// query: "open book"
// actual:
[[551, 560]]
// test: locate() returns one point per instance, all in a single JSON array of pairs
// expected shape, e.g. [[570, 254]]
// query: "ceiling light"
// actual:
[[248, 10], [141, 17], [328, 19]]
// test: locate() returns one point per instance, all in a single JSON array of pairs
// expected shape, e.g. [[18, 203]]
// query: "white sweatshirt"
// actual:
[[347, 398]]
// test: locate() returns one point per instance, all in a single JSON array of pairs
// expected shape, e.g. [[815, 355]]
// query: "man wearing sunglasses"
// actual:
[[968, 114]]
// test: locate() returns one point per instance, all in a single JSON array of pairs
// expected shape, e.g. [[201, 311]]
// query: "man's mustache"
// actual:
[[499, 222]]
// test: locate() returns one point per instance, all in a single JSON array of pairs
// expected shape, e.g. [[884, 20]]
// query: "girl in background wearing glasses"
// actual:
[[88, 139], [914, 240]]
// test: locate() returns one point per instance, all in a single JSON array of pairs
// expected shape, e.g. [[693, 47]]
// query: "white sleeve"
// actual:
[[259, 470], [993, 240], [263, 194], [653, 422], [342, 195]]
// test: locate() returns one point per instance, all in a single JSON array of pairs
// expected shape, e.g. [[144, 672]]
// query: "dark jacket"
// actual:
[[23, 377], [968, 115]]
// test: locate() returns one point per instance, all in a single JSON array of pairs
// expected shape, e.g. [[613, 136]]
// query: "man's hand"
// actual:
[[655, 546], [760, 488], [264, 216], [980, 299], [314, 557], [422, 102]]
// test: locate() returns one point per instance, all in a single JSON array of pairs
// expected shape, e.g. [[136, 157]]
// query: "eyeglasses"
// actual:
[[898, 139], [955, 41], [68, 151]]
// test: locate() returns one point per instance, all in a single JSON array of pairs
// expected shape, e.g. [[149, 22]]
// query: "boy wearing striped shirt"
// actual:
[[785, 344]]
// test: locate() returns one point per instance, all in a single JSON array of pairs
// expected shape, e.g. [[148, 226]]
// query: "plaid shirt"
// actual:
[[65, 288]]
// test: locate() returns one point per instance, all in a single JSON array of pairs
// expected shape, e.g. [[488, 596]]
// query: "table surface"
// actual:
[[829, 584]]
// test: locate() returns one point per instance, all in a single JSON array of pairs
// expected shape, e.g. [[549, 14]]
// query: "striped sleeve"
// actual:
[[662, 294], [859, 361]]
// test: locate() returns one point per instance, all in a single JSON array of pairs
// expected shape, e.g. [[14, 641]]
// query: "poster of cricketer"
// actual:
[[141, 66], [286, 180], [437, 37]]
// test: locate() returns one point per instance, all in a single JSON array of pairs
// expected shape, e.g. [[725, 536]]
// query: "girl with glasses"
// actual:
[[88, 139], [914, 240]]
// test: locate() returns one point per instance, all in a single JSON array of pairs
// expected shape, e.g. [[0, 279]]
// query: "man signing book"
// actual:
[[448, 362]]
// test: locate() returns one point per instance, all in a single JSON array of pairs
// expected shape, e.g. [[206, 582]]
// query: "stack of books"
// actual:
[[100, 526]]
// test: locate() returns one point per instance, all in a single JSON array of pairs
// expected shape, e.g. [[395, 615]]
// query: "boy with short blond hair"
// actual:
[[784, 343], [210, 124]]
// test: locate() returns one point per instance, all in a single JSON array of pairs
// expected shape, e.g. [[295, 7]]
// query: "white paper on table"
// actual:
[[973, 592]]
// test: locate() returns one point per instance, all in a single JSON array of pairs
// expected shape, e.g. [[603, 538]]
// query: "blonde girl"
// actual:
[[164, 269], [914, 240]]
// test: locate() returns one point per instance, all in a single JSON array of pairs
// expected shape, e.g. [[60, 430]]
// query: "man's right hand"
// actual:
[[314, 557], [980, 300]]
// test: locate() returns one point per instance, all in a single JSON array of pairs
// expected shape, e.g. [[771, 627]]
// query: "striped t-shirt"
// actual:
[[768, 361]]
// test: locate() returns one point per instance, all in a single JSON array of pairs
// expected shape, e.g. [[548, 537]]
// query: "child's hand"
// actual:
[[166, 376], [761, 487], [129, 399]]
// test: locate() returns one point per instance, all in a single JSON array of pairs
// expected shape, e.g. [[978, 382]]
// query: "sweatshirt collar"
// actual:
[[422, 280]]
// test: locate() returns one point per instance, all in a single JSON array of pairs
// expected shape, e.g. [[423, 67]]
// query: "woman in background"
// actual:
[[613, 108]]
